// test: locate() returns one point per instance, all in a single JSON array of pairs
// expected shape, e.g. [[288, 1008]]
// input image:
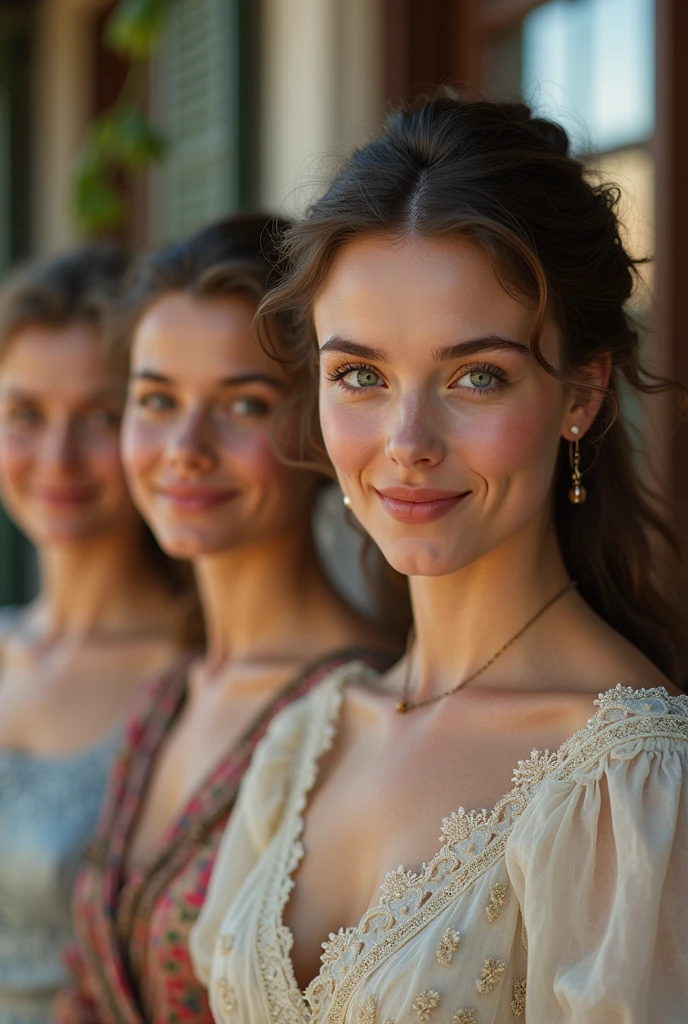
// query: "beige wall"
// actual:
[[322, 91], [62, 103]]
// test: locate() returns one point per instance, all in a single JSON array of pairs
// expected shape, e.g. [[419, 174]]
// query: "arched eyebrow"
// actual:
[[352, 348], [227, 382], [493, 342]]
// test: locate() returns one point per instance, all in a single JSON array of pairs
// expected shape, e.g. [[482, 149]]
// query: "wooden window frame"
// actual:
[[451, 49]]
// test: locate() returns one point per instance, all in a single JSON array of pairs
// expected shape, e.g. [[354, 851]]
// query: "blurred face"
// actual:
[[61, 477], [197, 429], [443, 430]]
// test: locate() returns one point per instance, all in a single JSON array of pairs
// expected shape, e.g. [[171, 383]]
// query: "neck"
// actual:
[[462, 620], [257, 597], [100, 584]]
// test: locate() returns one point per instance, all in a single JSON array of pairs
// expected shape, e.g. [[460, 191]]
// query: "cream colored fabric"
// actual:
[[576, 881]]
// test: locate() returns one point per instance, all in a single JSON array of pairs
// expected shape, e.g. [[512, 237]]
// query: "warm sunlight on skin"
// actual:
[[469, 432], [197, 429], [61, 477]]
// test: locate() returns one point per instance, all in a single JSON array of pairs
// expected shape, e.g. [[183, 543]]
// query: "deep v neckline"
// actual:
[[396, 883], [471, 843]]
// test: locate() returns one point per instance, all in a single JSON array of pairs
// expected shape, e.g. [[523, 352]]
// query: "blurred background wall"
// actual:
[[260, 99]]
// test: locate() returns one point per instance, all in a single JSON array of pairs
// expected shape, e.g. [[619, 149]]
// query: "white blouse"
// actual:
[[562, 904]]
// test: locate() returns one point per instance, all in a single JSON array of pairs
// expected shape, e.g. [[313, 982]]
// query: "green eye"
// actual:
[[362, 378], [157, 401], [250, 407], [104, 419], [480, 379], [25, 414]]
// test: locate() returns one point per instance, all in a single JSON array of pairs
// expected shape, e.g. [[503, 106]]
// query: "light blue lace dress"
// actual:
[[48, 809]]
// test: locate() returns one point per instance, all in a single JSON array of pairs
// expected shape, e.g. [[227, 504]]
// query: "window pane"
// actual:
[[590, 65]]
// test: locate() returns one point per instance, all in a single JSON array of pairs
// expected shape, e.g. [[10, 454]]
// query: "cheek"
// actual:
[[351, 434], [508, 442], [250, 456], [141, 445], [17, 455], [104, 459], [513, 447]]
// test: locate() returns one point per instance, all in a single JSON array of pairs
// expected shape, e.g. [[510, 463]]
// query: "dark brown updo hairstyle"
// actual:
[[83, 286], [495, 173]]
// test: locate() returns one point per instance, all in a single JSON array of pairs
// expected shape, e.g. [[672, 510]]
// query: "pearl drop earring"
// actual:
[[577, 492], [347, 501]]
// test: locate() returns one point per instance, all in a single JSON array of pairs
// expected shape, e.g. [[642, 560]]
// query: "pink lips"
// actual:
[[194, 499], [65, 497], [418, 504]]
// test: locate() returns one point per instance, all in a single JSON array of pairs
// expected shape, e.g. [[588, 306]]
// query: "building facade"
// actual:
[[260, 99]]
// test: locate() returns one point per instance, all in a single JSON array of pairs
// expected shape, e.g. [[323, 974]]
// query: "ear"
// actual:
[[584, 403]]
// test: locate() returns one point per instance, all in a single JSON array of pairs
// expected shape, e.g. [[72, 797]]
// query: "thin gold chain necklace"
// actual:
[[405, 705]]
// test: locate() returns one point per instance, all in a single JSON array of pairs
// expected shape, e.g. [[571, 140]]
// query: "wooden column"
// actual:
[[671, 153]]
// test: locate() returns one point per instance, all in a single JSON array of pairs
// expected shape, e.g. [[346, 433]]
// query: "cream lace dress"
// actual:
[[565, 903]]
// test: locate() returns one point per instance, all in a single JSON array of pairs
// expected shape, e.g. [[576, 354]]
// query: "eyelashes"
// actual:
[[475, 373], [362, 370]]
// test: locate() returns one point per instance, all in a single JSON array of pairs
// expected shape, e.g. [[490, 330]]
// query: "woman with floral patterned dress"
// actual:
[[204, 401]]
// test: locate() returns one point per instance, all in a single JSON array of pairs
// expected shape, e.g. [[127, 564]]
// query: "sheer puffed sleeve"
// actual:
[[599, 861], [256, 817]]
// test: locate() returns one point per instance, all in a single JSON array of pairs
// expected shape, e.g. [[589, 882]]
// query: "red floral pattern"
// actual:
[[132, 964]]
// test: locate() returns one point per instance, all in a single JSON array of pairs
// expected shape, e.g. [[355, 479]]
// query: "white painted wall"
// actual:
[[62, 102], [322, 92], [321, 95]]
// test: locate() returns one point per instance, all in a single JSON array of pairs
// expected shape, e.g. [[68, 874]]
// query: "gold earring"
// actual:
[[347, 501], [577, 492]]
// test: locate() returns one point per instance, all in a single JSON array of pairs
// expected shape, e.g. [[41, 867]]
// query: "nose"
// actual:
[[59, 449], [190, 446], [413, 438]]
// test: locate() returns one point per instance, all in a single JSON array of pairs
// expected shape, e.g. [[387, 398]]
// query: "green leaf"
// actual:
[[126, 137], [135, 27], [138, 142], [97, 204]]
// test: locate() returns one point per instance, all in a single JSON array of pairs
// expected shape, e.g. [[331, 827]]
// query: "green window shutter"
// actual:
[[196, 100]]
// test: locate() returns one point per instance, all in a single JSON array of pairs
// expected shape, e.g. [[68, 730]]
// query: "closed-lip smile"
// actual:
[[66, 496], [419, 505], [194, 499]]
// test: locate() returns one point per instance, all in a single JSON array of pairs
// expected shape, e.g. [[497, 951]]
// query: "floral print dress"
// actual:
[[131, 964]]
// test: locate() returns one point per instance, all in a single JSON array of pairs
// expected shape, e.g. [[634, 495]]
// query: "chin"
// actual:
[[63, 534], [422, 558], [188, 546]]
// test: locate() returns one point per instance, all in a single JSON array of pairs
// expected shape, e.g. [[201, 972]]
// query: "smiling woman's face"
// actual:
[[196, 436], [61, 476], [443, 430]]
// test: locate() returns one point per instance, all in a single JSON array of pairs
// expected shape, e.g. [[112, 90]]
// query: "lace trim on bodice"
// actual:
[[472, 842], [274, 940]]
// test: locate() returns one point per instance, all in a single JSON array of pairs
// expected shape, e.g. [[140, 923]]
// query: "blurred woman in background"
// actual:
[[106, 617], [204, 402]]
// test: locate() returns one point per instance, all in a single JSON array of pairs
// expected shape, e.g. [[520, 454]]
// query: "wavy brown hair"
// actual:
[[496, 173]]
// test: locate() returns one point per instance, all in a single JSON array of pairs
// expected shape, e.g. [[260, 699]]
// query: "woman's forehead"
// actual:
[[443, 288]]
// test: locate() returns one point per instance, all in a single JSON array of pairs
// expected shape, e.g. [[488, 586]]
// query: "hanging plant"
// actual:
[[123, 139]]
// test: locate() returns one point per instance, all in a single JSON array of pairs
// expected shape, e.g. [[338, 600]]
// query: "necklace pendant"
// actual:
[[402, 707]]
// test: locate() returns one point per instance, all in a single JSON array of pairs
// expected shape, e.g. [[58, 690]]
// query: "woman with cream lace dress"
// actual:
[[465, 287]]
